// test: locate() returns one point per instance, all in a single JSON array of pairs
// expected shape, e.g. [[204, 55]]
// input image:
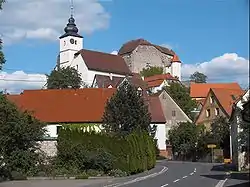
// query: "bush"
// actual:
[[89, 152]]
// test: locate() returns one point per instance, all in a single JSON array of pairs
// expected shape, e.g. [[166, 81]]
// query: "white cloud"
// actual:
[[114, 52], [228, 67], [46, 19], [18, 81]]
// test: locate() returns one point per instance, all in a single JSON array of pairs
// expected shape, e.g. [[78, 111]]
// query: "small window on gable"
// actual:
[[77, 67], [208, 113], [211, 99], [163, 96], [217, 111], [58, 129], [75, 42], [173, 113]]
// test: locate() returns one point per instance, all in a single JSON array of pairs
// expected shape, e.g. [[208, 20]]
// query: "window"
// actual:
[[211, 99], [139, 91], [208, 113], [75, 42], [76, 67], [58, 129], [163, 96], [217, 111], [173, 113]]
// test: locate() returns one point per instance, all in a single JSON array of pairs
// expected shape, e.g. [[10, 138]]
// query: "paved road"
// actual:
[[166, 174]]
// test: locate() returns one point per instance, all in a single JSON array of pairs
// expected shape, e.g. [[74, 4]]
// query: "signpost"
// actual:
[[211, 146]]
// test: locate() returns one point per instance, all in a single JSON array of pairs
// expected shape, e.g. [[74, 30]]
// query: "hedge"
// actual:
[[89, 150]]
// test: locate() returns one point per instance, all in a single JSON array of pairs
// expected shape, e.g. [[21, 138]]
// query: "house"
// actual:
[[173, 115], [158, 119], [75, 106], [158, 82], [88, 63], [218, 102], [140, 54], [200, 90], [237, 151]]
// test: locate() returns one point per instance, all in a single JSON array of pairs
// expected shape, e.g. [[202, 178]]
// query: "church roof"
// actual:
[[104, 62], [130, 46], [176, 59]]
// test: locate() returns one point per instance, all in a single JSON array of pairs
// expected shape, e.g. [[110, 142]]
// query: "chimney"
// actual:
[[110, 76]]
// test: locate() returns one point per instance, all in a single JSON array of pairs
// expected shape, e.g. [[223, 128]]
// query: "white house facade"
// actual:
[[237, 152]]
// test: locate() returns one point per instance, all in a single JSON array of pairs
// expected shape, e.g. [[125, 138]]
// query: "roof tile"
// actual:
[[200, 90], [155, 109], [104, 62]]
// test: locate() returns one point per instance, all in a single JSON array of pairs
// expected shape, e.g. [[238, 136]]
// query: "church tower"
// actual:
[[70, 42], [176, 67]]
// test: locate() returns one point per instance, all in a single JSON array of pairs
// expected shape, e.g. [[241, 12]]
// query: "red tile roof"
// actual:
[[199, 90], [227, 97], [131, 45], [65, 106], [155, 109], [157, 80], [74, 105], [104, 62]]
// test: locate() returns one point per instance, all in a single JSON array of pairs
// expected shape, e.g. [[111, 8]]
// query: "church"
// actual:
[[131, 58]]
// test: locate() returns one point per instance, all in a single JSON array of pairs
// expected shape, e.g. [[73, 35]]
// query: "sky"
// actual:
[[208, 36]]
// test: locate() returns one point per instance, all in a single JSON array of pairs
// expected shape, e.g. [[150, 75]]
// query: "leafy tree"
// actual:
[[183, 139], [126, 112], [2, 59], [198, 77], [19, 133], [64, 78], [221, 133], [151, 70], [181, 96], [245, 126]]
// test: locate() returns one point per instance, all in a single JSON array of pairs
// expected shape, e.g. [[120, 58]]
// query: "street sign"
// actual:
[[211, 146]]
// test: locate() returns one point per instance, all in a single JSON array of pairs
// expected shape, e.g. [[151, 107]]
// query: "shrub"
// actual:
[[89, 152]]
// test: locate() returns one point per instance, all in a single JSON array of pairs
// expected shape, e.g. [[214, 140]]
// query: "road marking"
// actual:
[[164, 185], [221, 183], [192, 173], [176, 180], [184, 176], [165, 169]]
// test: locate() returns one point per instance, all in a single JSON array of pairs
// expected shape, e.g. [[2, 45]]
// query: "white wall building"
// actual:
[[237, 151], [87, 62]]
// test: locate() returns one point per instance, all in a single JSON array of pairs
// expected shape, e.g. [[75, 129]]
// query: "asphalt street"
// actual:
[[177, 174], [165, 174]]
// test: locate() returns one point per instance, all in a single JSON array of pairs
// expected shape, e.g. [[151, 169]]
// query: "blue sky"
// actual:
[[198, 31]]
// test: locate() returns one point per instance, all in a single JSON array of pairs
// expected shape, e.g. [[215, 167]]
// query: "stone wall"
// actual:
[[48, 147], [145, 55]]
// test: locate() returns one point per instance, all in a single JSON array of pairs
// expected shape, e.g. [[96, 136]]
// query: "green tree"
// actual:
[[151, 70], [183, 139], [126, 111], [221, 133], [19, 133], [64, 78], [198, 77], [2, 59], [181, 96]]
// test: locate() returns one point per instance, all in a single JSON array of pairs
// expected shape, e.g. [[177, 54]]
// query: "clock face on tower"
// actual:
[[72, 41]]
